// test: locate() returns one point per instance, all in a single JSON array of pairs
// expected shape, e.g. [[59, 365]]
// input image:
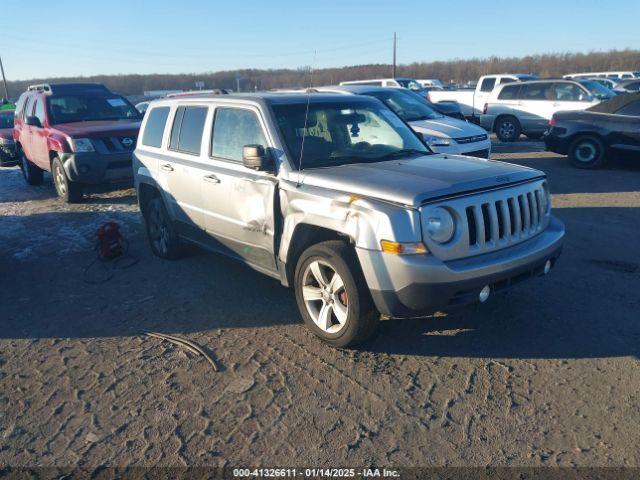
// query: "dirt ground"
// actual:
[[547, 374]]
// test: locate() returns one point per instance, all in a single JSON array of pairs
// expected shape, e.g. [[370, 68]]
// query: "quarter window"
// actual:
[[487, 84], [154, 128], [233, 128], [188, 126]]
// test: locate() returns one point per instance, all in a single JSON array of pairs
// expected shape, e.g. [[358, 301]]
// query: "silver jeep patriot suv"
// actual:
[[336, 196]]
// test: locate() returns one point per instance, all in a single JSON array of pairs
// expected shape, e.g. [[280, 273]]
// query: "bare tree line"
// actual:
[[454, 71]]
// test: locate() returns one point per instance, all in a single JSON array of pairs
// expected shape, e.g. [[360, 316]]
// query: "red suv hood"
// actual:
[[100, 128], [6, 133]]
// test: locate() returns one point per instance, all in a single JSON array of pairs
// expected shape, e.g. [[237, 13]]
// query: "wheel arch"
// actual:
[[304, 236]]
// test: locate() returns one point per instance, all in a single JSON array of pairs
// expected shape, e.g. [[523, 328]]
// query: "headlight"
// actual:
[[82, 145], [439, 224], [436, 141]]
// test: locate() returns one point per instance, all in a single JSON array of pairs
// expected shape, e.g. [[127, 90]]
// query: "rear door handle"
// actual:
[[211, 179], [167, 167]]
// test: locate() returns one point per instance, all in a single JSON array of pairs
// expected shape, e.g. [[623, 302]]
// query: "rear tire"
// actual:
[[587, 152], [68, 191], [332, 295], [508, 129], [161, 232], [33, 175]]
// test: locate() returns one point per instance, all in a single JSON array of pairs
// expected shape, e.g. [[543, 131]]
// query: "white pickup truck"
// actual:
[[472, 101]]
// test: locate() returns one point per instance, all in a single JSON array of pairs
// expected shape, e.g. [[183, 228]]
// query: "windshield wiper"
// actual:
[[404, 152]]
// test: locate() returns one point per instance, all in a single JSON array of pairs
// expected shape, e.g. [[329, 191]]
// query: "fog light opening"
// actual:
[[484, 294], [547, 267]]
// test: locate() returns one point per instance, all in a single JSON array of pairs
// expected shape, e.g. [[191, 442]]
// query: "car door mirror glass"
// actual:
[[256, 158], [33, 122]]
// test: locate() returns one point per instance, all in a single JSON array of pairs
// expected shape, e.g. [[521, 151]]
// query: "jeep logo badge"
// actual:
[[127, 142]]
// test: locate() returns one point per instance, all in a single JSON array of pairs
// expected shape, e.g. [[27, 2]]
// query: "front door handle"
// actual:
[[167, 167], [211, 179]]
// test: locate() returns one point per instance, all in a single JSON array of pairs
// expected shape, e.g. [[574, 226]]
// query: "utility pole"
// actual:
[[4, 80], [393, 71]]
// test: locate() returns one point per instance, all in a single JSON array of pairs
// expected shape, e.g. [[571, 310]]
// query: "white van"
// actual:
[[397, 82], [628, 74]]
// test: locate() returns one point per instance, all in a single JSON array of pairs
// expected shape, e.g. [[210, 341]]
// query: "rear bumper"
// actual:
[[94, 168], [555, 143], [415, 284]]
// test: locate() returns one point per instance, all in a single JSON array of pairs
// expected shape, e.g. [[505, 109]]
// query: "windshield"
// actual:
[[599, 91], [84, 108], [407, 105], [6, 120], [408, 83], [340, 134]]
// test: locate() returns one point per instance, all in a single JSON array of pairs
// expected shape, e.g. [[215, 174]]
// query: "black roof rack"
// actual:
[[69, 88]]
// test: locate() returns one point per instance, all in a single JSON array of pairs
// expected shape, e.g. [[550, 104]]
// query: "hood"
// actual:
[[447, 126], [417, 180], [100, 128]]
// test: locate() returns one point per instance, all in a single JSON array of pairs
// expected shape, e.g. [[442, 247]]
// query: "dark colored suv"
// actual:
[[82, 133]]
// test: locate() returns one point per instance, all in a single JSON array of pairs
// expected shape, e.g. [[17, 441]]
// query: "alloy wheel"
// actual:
[[325, 296], [158, 231], [586, 152]]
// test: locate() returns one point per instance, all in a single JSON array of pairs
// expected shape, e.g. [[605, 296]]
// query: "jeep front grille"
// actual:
[[492, 220]]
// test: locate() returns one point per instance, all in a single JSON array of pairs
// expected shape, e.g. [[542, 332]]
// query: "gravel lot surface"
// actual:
[[547, 374]]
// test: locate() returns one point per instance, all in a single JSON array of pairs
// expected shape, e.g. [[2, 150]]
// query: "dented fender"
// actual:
[[364, 220]]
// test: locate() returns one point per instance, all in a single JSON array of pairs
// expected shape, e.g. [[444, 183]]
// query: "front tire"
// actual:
[[162, 235], [587, 152], [33, 175], [332, 295], [508, 129], [68, 191]]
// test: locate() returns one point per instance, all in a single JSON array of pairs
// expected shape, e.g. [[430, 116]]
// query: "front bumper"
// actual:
[[8, 155], [93, 168], [407, 285], [476, 149]]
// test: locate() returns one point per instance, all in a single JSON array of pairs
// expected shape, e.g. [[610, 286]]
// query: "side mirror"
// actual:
[[255, 157], [34, 122]]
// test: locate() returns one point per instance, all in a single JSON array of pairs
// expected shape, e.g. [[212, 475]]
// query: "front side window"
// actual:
[[233, 128], [407, 105], [187, 130], [568, 92], [85, 108], [631, 109], [28, 110], [340, 133], [487, 84], [154, 129], [39, 111]]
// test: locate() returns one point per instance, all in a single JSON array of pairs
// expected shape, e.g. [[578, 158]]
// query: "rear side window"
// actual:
[[154, 128], [188, 126], [535, 91], [487, 84], [632, 109], [509, 93], [233, 128]]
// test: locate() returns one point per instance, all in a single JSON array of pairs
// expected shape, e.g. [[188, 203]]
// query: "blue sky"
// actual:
[[79, 37]]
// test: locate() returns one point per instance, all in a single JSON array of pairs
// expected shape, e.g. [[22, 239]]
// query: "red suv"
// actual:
[[82, 133]]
